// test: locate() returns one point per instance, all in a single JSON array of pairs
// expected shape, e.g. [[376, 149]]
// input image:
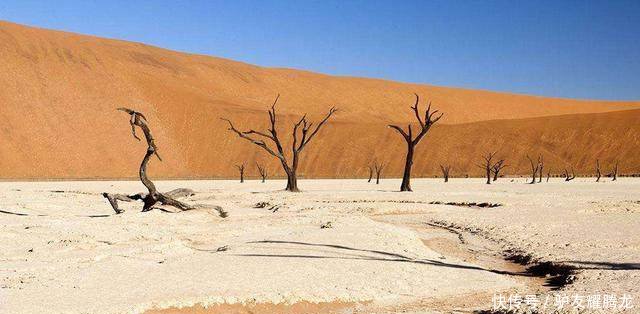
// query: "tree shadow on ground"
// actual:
[[43, 215], [372, 255], [12, 213]]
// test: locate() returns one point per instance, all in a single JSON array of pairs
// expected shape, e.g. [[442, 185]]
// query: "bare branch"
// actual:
[[306, 139], [416, 112], [258, 133], [244, 135], [400, 130]]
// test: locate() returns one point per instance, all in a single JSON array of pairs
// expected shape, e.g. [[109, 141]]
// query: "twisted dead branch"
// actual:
[[153, 197]]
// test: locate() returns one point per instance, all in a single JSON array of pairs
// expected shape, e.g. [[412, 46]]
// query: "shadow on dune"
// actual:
[[371, 255]]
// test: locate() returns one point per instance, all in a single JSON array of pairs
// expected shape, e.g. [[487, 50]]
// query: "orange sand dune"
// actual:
[[59, 91]]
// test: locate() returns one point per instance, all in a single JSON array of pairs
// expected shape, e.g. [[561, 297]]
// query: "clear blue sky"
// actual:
[[576, 49]]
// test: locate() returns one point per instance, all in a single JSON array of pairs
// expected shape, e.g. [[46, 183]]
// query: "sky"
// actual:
[[576, 49]]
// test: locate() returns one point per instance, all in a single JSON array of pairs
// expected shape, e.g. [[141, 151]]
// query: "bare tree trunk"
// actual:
[[425, 125], [378, 168], [241, 170], [541, 163], [548, 174], [406, 176], [302, 135], [292, 181], [534, 169], [445, 172], [488, 176], [598, 173], [615, 172], [370, 173]]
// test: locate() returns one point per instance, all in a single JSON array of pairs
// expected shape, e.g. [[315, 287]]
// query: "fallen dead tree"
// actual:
[[153, 197]]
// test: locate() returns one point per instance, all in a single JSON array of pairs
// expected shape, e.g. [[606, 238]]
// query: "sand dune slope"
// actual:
[[59, 91]]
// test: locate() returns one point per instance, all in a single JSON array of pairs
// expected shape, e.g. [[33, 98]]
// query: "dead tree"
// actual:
[[445, 172], [614, 173], [263, 172], [153, 196], [302, 135], [541, 167], [370, 173], [534, 169], [568, 177], [425, 125], [496, 168], [378, 167], [598, 173], [241, 171], [487, 164]]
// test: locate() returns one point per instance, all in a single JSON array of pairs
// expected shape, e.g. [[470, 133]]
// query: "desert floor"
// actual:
[[62, 249]]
